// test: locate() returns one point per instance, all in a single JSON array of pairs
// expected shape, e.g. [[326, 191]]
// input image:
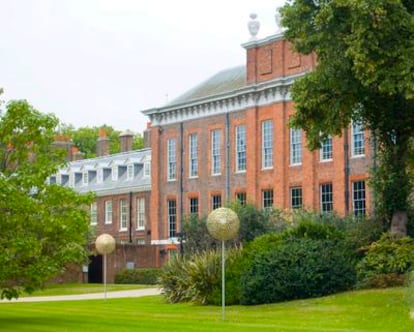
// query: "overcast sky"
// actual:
[[94, 62]]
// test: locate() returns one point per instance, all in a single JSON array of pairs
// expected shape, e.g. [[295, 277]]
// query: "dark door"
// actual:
[[95, 275]]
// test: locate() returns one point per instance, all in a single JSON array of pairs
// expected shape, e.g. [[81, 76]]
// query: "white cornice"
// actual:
[[253, 95]]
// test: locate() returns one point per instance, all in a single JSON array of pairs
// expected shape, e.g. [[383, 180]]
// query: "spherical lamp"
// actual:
[[223, 224], [105, 244]]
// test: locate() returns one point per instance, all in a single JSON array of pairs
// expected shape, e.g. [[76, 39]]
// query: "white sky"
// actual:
[[94, 62]]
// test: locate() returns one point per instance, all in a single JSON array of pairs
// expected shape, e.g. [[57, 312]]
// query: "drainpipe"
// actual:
[[180, 184], [346, 171], [130, 217], [227, 172]]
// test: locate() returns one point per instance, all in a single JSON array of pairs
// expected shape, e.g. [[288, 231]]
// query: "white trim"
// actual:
[[264, 93]]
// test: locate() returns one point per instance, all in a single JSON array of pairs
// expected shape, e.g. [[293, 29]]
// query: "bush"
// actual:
[[198, 279], [297, 268], [138, 276], [386, 257]]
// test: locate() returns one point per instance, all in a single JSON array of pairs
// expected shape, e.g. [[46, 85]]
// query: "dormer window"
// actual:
[[71, 179], [147, 168], [85, 178], [130, 171], [114, 172], [99, 175]]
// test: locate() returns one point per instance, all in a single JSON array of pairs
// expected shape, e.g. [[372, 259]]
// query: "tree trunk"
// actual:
[[399, 223]]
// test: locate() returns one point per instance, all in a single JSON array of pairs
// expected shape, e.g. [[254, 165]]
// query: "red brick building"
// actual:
[[228, 138]]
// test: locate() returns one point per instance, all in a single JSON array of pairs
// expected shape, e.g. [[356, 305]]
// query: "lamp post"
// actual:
[[105, 244], [223, 224]]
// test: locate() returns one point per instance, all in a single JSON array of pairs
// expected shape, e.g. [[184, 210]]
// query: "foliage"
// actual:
[[197, 279], [365, 73], [389, 255], [297, 268], [253, 222], [42, 227], [138, 276], [85, 139]]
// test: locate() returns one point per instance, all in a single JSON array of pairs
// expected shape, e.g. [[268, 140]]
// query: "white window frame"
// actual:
[[85, 177], [357, 139], [216, 201], [147, 168], [326, 150], [123, 215], [241, 158], [268, 199], [94, 213], [216, 152], [140, 213], [171, 159], [326, 197], [294, 197], [130, 171], [267, 144], [193, 155], [172, 217], [114, 172], [295, 146], [99, 175], [359, 205], [108, 212], [71, 179], [193, 207]]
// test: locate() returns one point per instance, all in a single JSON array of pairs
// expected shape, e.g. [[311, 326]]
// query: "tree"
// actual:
[[85, 138], [365, 73], [42, 227]]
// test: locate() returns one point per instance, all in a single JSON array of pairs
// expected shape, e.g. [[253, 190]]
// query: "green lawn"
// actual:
[[373, 310], [71, 289]]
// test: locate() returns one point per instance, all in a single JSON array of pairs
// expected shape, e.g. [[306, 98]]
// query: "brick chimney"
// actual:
[[63, 142], [102, 144], [126, 139], [76, 154]]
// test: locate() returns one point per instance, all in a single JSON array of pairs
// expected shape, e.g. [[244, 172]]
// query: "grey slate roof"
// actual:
[[224, 81], [105, 165]]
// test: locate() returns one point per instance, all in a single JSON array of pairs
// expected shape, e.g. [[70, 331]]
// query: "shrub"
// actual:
[[296, 268], [138, 276], [198, 279], [387, 256]]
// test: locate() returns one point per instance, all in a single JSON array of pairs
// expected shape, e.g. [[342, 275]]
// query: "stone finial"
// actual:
[[278, 21], [253, 26]]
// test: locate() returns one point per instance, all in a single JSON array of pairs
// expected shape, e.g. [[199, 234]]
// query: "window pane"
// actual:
[[172, 217], [358, 198], [326, 197], [267, 199], [215, 152], [267, 144], [240, 148], [193, 155], [358, 147], [296, 197], [295, 146], [326, 149], [171, 159]]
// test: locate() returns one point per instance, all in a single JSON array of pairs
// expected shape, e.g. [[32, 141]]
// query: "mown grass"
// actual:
[[75, 288], [368, 310]]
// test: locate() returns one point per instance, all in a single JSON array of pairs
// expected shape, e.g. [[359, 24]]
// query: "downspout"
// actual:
[[227, 172], [130, 217], [346, 171], [180, 184]]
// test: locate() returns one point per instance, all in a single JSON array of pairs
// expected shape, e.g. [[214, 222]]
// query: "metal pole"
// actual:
[[104, 276], [223, 282]]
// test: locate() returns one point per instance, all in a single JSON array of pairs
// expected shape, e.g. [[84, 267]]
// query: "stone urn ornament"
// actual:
[[105, 244], [223, 224]]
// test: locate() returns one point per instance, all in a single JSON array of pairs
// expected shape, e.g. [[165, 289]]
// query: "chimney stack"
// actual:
[[102, 145], [126, 139]]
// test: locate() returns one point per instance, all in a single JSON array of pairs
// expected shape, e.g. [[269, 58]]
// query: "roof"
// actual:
[[224, 81], [122, 184]]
